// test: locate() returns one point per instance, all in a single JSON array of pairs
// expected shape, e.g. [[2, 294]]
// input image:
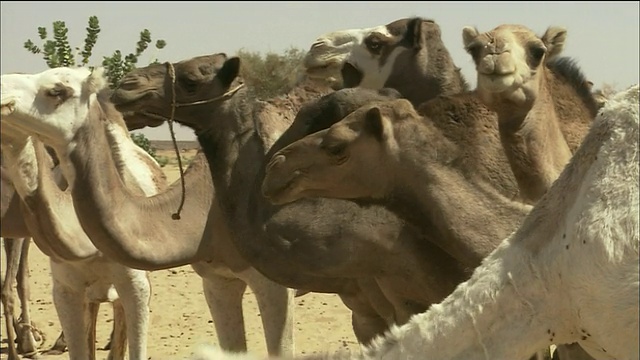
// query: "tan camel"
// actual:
[[224, 283], [82, 276], [518, 79], [422, 66], [570, 273]]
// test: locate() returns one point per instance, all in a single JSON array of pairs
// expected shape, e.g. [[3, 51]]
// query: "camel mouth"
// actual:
[[496, 83], [138, 119], [130, 100], [322, 71], [279, 189], [279, 195]]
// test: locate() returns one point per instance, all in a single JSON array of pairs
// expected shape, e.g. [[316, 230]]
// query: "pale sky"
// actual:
[[603, 37]]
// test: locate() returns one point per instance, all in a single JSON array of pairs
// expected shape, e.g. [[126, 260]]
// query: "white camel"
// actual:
[[569, 274]]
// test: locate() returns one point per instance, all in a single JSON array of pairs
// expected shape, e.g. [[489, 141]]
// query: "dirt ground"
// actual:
[[180, 318]]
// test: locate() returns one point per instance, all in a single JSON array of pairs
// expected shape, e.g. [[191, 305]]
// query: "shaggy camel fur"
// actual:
[[82, 276], [516, 81], [224, 285], [570, 273]]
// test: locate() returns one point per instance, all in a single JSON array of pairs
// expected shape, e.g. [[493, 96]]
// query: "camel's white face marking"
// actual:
[[362, 48], [51, 104]]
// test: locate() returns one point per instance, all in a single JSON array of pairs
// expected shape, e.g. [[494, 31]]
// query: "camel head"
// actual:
[[349, 160], [510, 60], [145, 95], [369, 57], [51, 104]]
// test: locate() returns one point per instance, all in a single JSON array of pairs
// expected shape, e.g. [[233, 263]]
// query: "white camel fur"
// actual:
[[84, 283], [569, 274]]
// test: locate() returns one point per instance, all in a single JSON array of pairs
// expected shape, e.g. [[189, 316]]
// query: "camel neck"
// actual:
[[433, 194], [111, 214], [50, 218], [534, 143]]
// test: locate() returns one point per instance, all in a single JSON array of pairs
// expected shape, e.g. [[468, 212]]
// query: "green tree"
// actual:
[[58, 52], [271, 74]]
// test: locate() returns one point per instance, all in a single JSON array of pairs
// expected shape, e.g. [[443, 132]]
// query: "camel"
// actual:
[[568, 274], [407, 55], [318, 262], [367, 60], [516, 79], [406, 264], [429, 266], [224, 278], [82, 276]]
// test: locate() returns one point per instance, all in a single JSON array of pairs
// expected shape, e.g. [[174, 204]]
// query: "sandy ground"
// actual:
[[180, 318]]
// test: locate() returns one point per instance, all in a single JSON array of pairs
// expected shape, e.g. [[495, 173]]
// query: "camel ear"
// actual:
[[96, 81], [554, 39], [376, 125], [229, 71], [469, 34], [415, 33]]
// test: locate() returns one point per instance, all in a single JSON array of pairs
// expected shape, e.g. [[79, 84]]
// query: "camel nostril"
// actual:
[[129, 84], [276, 160]]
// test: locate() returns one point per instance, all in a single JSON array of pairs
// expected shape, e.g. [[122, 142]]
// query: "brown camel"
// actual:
[[570, 273], [223, 286], [518, 78], [407, 55], [352, 248]]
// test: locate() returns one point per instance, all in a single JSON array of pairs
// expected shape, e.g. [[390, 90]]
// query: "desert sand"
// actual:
[[180, 319]]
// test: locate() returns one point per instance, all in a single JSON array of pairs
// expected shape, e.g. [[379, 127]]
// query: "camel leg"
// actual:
[[276, 310], [28, 335], [12, 248], [134, 290], [91, 317], [67, 302], [224, 298], [119, 333]]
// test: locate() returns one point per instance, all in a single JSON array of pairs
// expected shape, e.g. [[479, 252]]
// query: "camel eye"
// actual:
[[337, 150], [537, 52], [189, 85], [374, 45], [55, 92]]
